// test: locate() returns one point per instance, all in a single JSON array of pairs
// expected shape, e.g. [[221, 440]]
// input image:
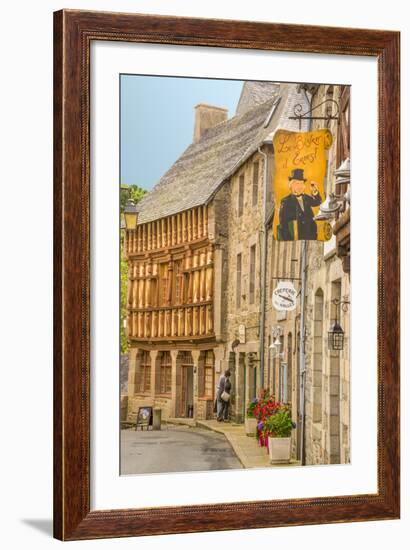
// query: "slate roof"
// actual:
[[205, 165], [254, 93]]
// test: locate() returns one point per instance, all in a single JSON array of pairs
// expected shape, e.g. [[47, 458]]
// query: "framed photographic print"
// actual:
[[226, 215]]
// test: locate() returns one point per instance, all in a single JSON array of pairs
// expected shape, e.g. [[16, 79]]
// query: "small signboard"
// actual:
[[284, 297], [144, 418]]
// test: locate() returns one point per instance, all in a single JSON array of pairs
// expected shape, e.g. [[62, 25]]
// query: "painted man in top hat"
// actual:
[[296, 212]]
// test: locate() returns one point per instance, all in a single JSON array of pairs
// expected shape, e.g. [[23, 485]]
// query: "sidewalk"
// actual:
[[246, 448]]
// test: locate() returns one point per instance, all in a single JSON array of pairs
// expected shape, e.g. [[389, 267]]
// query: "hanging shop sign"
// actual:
[[284, 297], [299, 184]]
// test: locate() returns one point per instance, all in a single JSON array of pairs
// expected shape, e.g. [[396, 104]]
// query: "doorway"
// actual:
[[187, 397], [186, 389]]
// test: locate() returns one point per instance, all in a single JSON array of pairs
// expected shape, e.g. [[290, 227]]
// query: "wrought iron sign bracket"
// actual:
[[299, 115], [344, 304]]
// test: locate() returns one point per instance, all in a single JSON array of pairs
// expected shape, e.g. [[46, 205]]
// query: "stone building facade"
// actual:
[[323, 393], [328, 298]]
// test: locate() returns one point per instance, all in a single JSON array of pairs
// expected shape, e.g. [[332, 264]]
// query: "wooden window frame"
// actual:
[[145, 365], [205, 368], [165, 370]]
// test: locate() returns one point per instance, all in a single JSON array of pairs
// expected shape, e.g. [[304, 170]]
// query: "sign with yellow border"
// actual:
[[300, 160]]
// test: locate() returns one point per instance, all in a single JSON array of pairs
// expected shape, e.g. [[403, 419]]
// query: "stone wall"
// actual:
[[243, 226], [327, 429], [327, 379]]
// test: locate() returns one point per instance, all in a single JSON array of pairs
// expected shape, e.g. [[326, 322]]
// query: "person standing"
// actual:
[[223, 397]]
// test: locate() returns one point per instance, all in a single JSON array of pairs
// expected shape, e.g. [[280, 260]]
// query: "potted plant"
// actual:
[[262, 435], [279, 427], [265, 407], [250, 419]]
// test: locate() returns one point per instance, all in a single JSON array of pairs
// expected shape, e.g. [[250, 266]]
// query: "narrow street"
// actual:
[[175, 449]]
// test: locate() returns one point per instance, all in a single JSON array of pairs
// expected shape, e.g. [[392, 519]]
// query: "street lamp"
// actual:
[[329, 208], [130, 215], [336, 335], [276, 343]]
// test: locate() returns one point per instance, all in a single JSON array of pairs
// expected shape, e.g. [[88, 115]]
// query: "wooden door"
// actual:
[[187, 390]]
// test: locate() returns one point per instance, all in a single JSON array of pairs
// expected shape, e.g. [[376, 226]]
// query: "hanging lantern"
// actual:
[[335, 337], [329, 208], [130, 215]]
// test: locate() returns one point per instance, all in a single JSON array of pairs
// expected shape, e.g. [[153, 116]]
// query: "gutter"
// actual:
[[263, 273]]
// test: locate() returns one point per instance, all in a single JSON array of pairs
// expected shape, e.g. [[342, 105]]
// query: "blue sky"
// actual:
[[157, 120]]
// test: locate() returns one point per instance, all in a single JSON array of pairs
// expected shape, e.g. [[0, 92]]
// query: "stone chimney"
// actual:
[[207, 116]]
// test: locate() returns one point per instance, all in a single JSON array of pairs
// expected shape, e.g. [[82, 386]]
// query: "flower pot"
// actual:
[[263, 439], [279, 450], [250, 426]]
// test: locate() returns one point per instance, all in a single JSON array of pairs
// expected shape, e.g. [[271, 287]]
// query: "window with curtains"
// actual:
[[165, 373], [144, 382]]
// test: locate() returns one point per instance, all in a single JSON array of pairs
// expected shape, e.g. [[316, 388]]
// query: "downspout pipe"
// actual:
[[263, 263], [302, 358]]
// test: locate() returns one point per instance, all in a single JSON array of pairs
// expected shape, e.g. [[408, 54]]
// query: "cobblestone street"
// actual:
[[175, 449]]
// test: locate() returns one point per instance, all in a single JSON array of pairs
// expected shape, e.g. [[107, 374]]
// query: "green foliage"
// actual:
[[250, 409], [135, 193], [123, 315], [279, 425]]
